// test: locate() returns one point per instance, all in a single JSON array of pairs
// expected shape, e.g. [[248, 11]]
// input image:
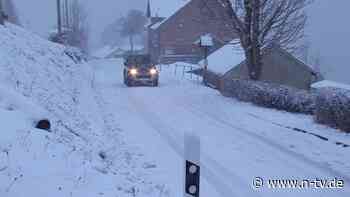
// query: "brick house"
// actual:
[[172, 36]]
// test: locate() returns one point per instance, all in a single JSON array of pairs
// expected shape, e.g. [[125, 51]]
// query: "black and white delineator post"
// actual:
[[192, 166]]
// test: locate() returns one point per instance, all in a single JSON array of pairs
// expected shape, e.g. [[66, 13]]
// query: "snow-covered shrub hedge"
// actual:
[[333, 108], [270, 95]]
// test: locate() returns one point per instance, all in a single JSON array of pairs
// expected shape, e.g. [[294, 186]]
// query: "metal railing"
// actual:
[[183, 71]]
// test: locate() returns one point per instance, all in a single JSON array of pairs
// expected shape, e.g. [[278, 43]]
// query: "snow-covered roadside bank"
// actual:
[[237, 147], [81, 156]]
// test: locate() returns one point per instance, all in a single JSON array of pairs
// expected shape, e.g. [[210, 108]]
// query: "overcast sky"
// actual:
[[40, 15], [328, 28]]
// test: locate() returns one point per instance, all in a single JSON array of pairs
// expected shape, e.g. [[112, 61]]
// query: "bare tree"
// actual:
[[111, 34], [261, 23], [78, 26], [73, 27], [11, 12], [8, 12], [133, 25]]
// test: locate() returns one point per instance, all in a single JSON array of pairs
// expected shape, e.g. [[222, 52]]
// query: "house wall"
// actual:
[[176, 36], [277, 68]]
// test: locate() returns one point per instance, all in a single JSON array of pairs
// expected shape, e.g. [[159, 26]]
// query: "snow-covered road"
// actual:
[[239, 141]]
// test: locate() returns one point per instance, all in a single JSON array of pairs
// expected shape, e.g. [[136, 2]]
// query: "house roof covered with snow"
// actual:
[[227, 57], [166, 8], [330, 84]]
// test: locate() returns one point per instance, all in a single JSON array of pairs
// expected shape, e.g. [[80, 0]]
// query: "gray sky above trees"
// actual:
[[40, 15], [328, 30]]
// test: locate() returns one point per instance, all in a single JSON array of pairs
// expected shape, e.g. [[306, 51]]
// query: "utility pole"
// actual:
[[205, 70], [67, 13], [205, 42], [1, 14], [59, 21]]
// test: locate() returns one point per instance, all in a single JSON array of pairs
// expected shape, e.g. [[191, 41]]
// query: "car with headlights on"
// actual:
[[139, 69]]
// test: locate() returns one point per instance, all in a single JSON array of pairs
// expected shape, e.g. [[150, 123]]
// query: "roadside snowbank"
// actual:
[[67, 162]]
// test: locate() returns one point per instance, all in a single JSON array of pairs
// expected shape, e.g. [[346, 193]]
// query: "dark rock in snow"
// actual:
[[102, 155], [44, 125]]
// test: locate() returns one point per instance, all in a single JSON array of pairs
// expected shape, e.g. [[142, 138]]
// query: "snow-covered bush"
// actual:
[[270, 95], [333, 108]]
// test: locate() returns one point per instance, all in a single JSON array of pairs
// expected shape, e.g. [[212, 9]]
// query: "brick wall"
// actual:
[[176, 36]]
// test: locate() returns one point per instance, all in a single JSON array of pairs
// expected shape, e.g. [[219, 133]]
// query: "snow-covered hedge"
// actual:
[[333, 108], [270, 95]]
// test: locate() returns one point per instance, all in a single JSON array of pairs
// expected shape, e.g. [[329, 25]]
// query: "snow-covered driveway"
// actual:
[[239, 141]]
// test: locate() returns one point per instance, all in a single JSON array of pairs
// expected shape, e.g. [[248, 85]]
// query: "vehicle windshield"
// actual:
[[138, 60]]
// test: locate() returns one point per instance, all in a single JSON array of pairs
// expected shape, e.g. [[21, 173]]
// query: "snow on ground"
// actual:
[[330, 84], [104, 51], [85, 154], [239, 141]]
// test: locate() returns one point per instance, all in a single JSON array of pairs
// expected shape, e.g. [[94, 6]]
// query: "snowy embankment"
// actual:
[[81, 156]]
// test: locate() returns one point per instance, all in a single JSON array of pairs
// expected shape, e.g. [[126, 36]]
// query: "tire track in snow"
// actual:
[[223, 183], [271, 143], [338, 143]]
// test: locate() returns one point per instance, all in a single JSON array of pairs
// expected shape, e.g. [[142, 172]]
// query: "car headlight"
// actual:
[[133, 71], [153, 71]]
